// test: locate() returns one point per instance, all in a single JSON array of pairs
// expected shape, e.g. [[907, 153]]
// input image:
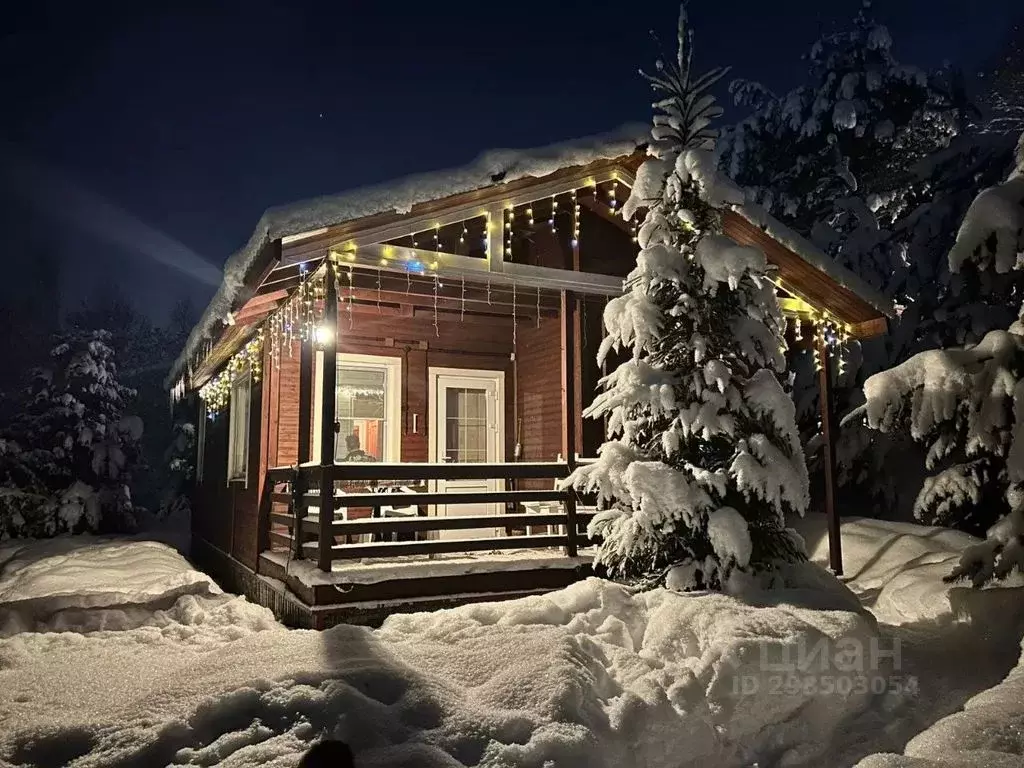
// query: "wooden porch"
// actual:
[[321, 511]]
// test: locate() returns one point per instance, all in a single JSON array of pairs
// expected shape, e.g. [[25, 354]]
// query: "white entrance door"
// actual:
[[467, 427]]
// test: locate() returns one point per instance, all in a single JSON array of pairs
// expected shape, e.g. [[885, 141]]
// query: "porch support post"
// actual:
[[327, 417], [305, 431], [829, 432], [305, 399], [568, 326]]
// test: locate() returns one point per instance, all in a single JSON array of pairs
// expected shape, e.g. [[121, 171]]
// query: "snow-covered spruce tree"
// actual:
[[703, 459], [76, 438], [967, 404], [181, 462], [877, 163], [1002, 100], [833, 158], [26, 505]]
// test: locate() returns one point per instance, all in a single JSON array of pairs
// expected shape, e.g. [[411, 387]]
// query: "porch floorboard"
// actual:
[[377, 570]]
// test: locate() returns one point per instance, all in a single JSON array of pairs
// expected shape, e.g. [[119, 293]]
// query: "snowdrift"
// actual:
[[988, 733], [86, 583], [587, 676], [897, 571]]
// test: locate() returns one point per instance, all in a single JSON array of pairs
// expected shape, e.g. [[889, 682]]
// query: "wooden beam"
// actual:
[[248, 314], [569, 409], [800, 277], [829, 433], [265, 298], [600, 209], [870, 328], [267, 261], [476, 300]]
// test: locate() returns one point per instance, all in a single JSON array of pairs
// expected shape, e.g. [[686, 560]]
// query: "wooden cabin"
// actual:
[[455, 317]]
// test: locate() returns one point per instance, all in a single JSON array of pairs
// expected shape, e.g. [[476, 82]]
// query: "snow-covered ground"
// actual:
[[955, 642], [158, 667]]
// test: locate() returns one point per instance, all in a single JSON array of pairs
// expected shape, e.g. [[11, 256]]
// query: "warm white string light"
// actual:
[[575, 220], [508, 232]]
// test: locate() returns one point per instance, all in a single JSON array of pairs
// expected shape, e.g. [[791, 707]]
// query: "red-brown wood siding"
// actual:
[[538, 364], [225, 513], [286, 382]]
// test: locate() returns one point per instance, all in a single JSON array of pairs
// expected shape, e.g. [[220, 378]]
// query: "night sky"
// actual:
[[142, 141]]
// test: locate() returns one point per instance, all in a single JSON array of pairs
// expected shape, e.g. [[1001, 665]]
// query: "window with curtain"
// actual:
[[362, 412], [238, 429]]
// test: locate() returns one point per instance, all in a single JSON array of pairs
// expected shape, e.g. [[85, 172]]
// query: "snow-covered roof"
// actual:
[[814, 256], [496, 166]]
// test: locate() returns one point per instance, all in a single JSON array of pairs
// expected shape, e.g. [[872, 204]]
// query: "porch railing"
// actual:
[[291, 492]]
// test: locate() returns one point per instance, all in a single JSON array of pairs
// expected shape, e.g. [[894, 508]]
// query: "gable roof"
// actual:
[[804, 270]]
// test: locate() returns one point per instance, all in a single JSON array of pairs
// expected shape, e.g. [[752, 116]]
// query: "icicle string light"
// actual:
[[437, 284], [514, 339], [216, 393], [351, 297]]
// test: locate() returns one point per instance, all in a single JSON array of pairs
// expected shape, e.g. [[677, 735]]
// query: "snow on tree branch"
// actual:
[[703, 459]]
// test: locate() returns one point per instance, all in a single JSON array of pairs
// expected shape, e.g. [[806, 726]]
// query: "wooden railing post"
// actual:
[[327, 417], [568, 306], [263, 520], [298, 511]]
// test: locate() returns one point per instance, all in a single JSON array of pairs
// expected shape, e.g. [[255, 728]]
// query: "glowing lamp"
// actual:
[[322, 335]]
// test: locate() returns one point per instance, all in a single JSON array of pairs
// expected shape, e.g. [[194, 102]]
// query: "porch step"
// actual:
[[438, 546]]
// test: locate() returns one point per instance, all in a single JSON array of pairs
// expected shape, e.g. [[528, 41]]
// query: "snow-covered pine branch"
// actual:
[[967, 404], [73, 446], [703, 459]]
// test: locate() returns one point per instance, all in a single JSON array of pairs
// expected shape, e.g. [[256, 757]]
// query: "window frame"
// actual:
[[393, 372], [241, 383]]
